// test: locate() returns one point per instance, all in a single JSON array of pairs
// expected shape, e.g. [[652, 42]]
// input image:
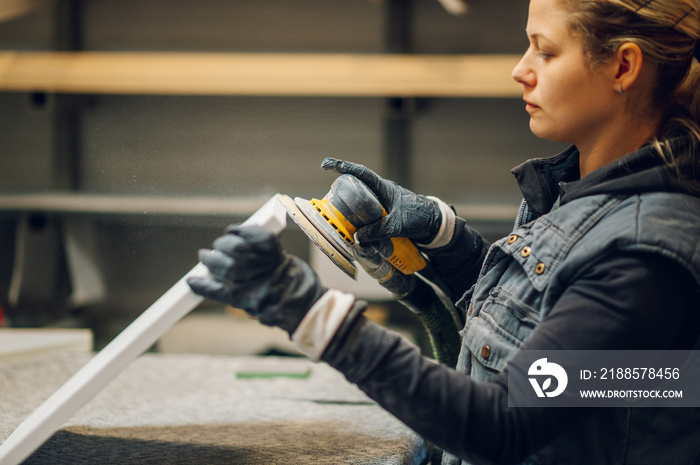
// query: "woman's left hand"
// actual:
[[250, 270]]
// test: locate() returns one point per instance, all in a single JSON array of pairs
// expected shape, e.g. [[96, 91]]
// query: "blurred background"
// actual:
[[106, 196]]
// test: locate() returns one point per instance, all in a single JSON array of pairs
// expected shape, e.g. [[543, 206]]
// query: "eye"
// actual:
[[544, 55]]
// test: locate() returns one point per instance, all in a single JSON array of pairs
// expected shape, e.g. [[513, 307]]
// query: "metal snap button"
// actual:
[[525, 252], [539, 269], [486, 352], [512, 238]]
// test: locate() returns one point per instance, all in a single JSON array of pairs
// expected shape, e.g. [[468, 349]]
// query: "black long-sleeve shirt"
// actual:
[[614, 306]]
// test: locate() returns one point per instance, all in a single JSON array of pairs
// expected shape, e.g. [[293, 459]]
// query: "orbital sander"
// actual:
[[331, 224]]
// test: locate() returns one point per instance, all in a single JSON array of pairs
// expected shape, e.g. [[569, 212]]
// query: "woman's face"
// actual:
[[566, 101]]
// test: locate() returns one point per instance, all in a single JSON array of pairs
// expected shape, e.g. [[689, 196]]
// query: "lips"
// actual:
[[529, 106]]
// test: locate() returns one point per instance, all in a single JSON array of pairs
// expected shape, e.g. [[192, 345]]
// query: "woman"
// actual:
[[604, 253]]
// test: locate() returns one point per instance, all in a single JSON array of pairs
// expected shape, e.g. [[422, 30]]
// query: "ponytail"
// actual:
[[684, 117], [686, 101]]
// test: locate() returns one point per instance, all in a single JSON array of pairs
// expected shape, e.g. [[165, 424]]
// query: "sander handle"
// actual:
[[406, 257]]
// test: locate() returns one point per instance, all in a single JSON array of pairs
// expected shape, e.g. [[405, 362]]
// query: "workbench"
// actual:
[[188, 409]]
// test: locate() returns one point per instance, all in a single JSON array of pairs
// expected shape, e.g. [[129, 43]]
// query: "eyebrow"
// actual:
[[538, 37]]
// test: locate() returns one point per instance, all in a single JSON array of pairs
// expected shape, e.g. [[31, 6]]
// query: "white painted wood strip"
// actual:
[[141, 334]]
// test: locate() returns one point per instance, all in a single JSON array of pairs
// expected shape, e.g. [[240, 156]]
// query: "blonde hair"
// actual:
[[666, 31]]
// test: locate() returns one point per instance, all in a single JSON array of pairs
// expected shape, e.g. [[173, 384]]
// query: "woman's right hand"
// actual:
[[410, 215]]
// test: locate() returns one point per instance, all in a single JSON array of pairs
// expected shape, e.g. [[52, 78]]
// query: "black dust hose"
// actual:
[[434, 310]]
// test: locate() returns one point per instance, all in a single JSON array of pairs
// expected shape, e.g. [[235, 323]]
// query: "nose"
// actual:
[[523, 72]]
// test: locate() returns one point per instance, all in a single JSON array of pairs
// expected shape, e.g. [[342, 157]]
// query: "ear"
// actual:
[[627, 64]]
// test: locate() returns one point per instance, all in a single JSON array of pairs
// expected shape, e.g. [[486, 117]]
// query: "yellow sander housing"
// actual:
[[331, 224]]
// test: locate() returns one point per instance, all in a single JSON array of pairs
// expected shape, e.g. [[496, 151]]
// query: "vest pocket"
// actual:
[[501, 326], [490, 350], [509, 314]]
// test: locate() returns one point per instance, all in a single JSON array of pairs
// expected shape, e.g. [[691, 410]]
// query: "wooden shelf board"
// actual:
[[281, 74], [191, 206]]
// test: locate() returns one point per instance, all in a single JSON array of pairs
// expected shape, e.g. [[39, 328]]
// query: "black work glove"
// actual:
[[371, 258], [250, 270], [409, 215]]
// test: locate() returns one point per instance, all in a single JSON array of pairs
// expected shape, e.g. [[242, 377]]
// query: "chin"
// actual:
[[538, 130], [546, 132]]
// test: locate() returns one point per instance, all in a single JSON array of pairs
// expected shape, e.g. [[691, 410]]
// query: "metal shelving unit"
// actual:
[[69, 75]]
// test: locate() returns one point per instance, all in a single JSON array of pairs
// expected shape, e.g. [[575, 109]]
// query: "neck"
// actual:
[[614, 144]]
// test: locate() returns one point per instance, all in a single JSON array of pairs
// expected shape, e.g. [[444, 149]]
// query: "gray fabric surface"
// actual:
[[184, 409]]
